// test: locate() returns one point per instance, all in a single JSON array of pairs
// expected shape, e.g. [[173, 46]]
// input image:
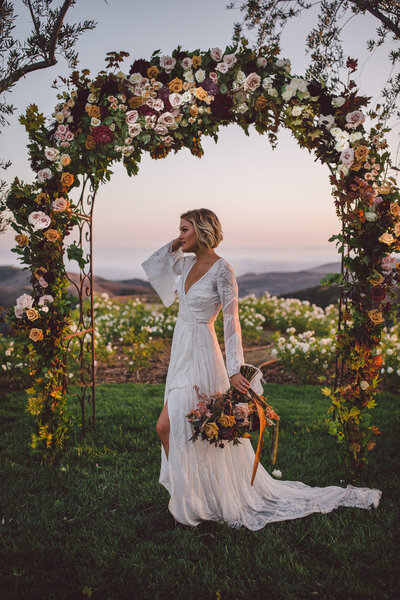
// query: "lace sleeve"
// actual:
[[228, 293], [162, 269]]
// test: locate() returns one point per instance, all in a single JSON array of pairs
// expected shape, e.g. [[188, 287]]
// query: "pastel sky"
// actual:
[[275, 206]]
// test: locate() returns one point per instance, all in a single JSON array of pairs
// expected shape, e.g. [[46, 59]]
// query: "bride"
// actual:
[[206, 482]]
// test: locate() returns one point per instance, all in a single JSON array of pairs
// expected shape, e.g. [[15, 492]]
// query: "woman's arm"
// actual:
[[162, 269], [228, 293]]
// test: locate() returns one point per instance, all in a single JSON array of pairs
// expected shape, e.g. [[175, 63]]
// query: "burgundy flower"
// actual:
[[221, 106], [251, 67], [140, 66], [378, 293], [78, 110], [145, 110], [226, 433], [110, 88], [163, 93], [210, 86], [102, 135]]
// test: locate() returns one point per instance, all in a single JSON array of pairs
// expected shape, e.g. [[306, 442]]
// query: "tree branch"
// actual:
[[369, 6], [49, 61]]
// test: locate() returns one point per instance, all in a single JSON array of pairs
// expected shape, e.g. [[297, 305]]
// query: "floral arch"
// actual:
[[163, 105]]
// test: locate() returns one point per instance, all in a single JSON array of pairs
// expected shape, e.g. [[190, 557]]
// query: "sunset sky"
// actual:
[[275, 206]]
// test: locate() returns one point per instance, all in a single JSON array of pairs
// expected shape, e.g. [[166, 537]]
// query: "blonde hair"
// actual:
[[206, 225]]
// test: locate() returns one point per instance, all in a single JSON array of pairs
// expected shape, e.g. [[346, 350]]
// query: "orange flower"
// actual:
[[376, 280], [152, 72], [67, 179], [385, 187], [51, 235], [375, 430], [200, 93], [371, 445], [376, 316], [22, 239], [93, 111], [361, 153], [35, 334], [194, 110], [175, 85], [196, 61], [397, 230], [386, 238], [395, 209]]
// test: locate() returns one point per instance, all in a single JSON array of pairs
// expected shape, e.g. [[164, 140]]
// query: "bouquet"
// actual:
[[229, 416]]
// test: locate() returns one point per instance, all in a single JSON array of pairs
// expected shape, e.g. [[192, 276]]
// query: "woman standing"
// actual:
[[206, 482]]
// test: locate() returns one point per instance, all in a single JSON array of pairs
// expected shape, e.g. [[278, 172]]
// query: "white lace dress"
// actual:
[[206, 482]]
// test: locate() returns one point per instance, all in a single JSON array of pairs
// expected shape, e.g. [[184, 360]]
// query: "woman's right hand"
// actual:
[[240, 383], [175, 244]]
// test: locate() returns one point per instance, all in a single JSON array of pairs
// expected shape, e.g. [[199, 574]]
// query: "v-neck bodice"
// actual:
[[190, 266]]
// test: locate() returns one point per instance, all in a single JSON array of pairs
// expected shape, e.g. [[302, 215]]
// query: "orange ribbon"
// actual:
[[263, 422]]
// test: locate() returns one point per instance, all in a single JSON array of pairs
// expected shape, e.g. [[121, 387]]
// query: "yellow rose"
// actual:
[[196, 61], [175, 85], [386, 238], [211, 430], [36, 334], [376, 316], [397, 230], [395, 209], [32, 314], [361, 153], [194, 110], [376, 280], [135, 102], [385, 188], [40, 272], [152, 72], [67, 179], [200, 93], [356, 166], [261, 103], [227, 420], [51, 235], [22, 239]]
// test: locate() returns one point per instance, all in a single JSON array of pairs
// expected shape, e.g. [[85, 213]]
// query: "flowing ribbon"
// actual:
[[263, 422]]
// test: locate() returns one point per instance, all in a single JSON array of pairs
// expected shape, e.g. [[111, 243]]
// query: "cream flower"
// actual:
[[44, 175]]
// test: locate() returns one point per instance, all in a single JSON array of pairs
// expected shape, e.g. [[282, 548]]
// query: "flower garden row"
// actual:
[[305, 338]]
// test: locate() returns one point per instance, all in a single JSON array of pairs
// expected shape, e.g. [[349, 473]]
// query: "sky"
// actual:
[[275, 206]]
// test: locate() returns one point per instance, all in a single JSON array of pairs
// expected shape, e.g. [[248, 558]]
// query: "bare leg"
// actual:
[[162, 428]]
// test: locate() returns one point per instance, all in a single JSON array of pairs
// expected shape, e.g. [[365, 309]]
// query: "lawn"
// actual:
[[97, 526]]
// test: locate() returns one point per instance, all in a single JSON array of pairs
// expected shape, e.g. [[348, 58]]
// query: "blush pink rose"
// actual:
[[252, 82], [261, 62], [44, 175], [131, 117], [166, 119], [216, 54], [39, 220], [60, 204], [43, 282], [347, 157], [186, 63], [160, 129], [46, 299], [230, 60], [241, 410], [213, 76], [25, 301], [222, 67], [167, 63], [51, 153], [158, 104], [134, 129], [354, 119]]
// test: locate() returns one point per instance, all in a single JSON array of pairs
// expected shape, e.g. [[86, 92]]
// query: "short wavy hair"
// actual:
[[206, 226]]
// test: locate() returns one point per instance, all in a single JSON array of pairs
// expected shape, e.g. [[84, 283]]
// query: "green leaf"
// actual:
[[76, 253]]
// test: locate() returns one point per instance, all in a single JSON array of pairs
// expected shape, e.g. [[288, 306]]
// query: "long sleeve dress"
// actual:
[[206, 482]]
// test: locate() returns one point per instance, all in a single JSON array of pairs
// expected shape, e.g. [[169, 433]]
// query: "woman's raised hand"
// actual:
[[175, 244], [240, 383]]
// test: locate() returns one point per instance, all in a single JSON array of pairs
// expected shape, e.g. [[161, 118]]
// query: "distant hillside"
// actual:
[[284, 282]]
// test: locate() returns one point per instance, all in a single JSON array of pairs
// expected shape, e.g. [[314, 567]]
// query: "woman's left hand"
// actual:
[[240, 383]]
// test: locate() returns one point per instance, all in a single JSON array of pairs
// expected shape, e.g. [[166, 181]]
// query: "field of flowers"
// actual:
[[300, 334]]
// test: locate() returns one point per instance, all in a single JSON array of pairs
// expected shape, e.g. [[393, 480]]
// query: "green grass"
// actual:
[[103, 522]]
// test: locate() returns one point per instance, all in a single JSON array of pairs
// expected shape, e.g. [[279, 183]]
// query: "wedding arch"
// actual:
[[162, 105]]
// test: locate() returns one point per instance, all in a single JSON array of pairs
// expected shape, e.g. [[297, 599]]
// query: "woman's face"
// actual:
[[187, 236]]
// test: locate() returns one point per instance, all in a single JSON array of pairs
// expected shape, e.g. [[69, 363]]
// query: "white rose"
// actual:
[[188, 76], [175, 100], [288, 93], [273, 92], [158, 104], [44, 309], [120, 75], [186, 97], [354, 137], [18, 311], [336, 131], [51, 153], [59, 117], [25, 301], [337, 102], [240, 77], [186, 63], [92, 98], [150, 121], [277, 473], [327, 120], [297, 110], [200, 75], [266, 82], [216, 54], [44, 175], [241, 108], [370, 216], [364, 385], [39, 220], [341, 145], [135, 78], [95, 122]]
